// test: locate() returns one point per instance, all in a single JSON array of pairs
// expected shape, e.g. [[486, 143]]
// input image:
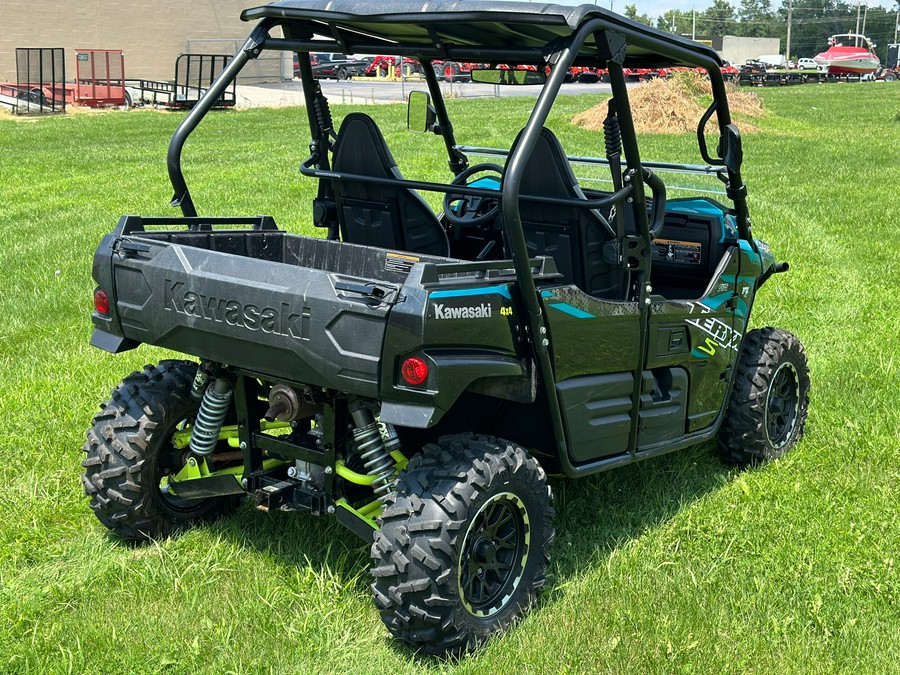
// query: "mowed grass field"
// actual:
[[678, 564]]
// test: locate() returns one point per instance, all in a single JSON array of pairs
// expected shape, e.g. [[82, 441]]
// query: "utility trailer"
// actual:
[[99, 79], [416, 375], [40, 82], [194, 74]]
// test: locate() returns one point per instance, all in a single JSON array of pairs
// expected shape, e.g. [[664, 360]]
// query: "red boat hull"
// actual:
[[848, 60]]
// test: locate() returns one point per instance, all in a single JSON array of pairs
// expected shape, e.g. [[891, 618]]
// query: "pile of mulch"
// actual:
[[674, 105]]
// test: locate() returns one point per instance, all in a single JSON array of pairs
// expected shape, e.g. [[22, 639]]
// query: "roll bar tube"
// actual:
[[458, 162], [307, 168], [512, 184], [251, 49]]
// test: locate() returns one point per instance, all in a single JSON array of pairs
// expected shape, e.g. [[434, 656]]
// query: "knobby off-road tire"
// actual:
[[769, 402], [463, 545], [129, 450]]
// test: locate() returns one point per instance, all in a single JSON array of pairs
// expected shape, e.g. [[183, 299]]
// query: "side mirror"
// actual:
[[507, 76], [733, 154], [420, 115]]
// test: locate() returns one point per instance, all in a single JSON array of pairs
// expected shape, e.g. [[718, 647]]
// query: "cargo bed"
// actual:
[[298, 308]]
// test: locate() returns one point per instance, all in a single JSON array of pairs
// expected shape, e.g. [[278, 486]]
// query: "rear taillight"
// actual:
[[414, 370], [101, 301]]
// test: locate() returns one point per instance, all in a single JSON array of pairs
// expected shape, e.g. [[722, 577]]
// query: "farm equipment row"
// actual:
[[457, 71]]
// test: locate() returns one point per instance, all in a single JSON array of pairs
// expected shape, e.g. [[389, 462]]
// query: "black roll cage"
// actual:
[[561, 54]]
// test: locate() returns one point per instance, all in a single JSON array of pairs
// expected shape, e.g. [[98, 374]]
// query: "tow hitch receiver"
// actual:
[[289, 495]]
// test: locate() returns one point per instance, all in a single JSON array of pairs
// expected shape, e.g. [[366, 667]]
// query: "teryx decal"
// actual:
[[719, 333]]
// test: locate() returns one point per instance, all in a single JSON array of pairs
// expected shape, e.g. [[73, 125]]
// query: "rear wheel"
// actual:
[[767, 410], [130, 455], [464, 544]]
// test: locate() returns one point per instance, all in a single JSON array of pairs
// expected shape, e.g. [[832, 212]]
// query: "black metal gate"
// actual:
[[40, 80], [194, 73]]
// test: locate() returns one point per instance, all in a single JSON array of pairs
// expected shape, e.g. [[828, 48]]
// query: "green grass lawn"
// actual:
[[675, 564]]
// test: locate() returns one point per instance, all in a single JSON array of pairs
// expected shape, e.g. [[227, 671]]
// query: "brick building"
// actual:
[[152, 34]]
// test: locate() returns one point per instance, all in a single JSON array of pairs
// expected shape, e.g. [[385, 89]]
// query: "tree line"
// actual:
[[812, 22]]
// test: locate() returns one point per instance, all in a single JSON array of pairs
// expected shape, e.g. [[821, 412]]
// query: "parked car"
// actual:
[[336, 66], [806, 64]]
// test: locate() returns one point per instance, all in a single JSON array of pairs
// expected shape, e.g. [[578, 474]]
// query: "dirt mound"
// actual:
[[674, 105]]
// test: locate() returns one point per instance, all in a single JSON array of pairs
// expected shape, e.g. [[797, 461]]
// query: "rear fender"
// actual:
[[107, 334], [449, 376], [467, 335]]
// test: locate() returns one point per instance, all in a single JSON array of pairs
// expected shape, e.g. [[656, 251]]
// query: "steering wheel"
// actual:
[[467, 210]]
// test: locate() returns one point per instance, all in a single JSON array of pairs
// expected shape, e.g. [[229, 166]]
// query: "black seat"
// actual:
[[386, 216], [573, 236]]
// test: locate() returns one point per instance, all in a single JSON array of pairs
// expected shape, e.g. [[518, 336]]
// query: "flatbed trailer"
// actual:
[[99, 79], [782, 78], [194, 73]]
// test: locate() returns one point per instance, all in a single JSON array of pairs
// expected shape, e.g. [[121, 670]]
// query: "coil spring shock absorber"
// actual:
[[376, 457], [213, 408], [612, 134]]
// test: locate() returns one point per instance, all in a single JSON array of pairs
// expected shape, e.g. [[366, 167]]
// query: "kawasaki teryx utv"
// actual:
[[415, 374]]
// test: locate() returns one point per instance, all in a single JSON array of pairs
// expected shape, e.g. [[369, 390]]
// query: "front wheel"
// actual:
[[769, 401], [130, 455], [463, 545]]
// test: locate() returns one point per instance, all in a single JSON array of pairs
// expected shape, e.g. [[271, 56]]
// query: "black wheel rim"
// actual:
[[493, 555], [782, 404]]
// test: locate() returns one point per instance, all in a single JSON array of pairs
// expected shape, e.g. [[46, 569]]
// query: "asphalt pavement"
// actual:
[[371, 91]]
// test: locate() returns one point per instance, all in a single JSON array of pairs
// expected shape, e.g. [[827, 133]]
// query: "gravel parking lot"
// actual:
[[371, 91]]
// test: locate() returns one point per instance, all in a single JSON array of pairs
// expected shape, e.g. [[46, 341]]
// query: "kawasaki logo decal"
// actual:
[[482, 311], [277, 321]]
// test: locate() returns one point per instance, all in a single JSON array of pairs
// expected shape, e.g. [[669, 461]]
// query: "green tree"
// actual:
[[719, 19], [813, 22], [682, 22], [631, 13], [757, 19]]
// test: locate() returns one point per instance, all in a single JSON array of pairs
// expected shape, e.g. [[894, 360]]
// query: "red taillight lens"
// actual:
[[101, 301], [414, 370]]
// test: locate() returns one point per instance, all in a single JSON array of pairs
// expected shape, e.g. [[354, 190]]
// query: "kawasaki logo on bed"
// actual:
[[277, 321]]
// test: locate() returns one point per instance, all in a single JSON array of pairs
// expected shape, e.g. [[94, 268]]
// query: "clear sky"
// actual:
[[655, 8]]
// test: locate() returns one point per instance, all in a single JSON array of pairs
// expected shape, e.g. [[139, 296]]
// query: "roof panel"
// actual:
[[480, 24]]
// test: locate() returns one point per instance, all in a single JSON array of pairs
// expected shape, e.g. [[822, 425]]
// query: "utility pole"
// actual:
[[897, 22], [856, 40], [673, 20], [787, 46], [694, 24]]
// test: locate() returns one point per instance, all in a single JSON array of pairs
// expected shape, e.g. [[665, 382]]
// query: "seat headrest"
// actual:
[[358, 141], [547, 172]]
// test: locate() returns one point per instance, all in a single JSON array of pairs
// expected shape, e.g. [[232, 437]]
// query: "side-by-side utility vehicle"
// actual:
[[417, 374]]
